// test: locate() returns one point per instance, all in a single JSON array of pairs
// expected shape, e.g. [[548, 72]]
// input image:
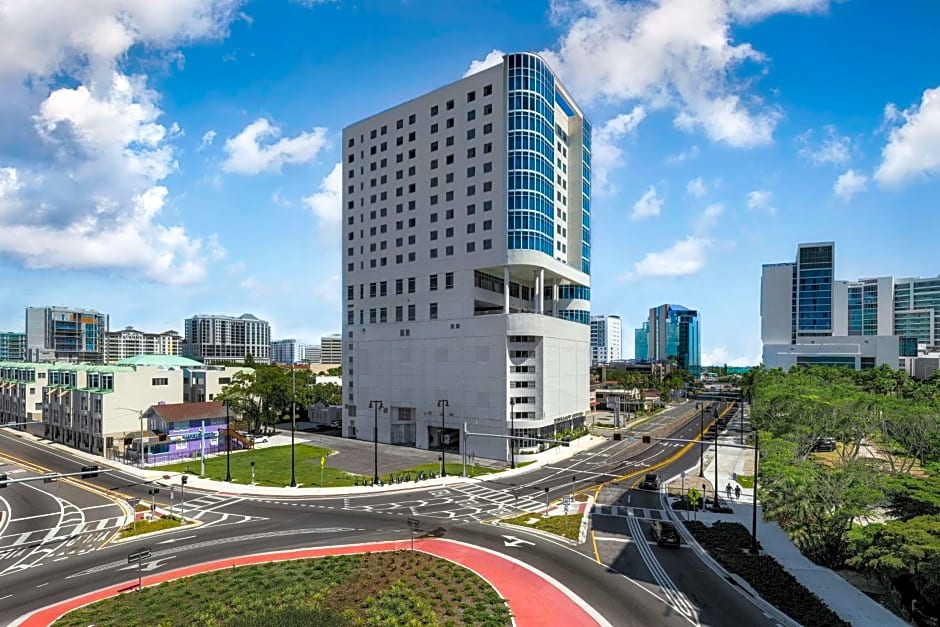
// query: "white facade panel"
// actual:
[[776, 304]]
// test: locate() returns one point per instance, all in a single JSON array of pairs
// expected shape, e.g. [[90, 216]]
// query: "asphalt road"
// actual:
[[627, 590]]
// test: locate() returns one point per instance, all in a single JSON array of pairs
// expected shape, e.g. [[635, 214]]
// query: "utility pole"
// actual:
[[442, 403], [376, 405], [228, 444], [755, 549], [293, 403], [512, 431], [701, 444]]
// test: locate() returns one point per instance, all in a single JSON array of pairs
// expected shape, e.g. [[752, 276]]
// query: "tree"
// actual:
[[907, 436]]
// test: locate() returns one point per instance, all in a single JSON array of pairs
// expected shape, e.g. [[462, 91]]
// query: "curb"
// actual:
[[585, 520], [738, 583]]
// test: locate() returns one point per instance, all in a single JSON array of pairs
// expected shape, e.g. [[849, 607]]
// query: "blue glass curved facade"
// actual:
[[576, 315], [531, 154], [572, 292], [586, 200]]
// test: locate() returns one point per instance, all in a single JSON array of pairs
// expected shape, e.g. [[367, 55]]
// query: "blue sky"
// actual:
[[159, 160]]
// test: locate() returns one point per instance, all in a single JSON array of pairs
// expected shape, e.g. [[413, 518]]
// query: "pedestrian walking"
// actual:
[[728, 490], [737, 492]]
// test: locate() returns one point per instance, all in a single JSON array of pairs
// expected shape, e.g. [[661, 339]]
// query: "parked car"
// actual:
[[665, 533], [650, 482], [825, 445], [336, 424]]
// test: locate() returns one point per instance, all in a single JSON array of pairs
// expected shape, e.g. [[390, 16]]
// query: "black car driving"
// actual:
[[665, 533], [650, 482]]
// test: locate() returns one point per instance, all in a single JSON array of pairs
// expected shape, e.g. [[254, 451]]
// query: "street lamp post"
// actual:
[[442, 403], [754, 546], [701, 443], [228, 444], [512, 431], [376, 405], [293, 403]]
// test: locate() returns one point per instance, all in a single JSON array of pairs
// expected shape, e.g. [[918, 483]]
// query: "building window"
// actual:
[[449, 251], [471, 228], [471, 209], [471, 115], [434, 110], [399, 313], [383, 288], [411, 285], [160, 381], [411, 313], [487, 244], [433, 254], [412, 118], [487, 90], [448, 280], [372, 317], [488, 110], [372, 290], [432, 284], [432, 311], [449, 105], [471, 247], [383, 315]]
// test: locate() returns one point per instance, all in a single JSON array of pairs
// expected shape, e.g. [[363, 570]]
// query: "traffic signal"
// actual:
[[3, 480], [184, 479], [89, 472], [647, 439]]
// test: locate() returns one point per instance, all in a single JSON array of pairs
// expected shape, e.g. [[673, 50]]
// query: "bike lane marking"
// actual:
[[534, 598]]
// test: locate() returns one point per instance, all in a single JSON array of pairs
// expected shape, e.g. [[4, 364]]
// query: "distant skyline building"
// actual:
[[606, 339], [65, 334], [287, 351], [12, 346], [215, 339], [917, 310], [312, 354], [808, 317], [331, 349], [641, 342], [129, 342], [466, 262], [674, 335]]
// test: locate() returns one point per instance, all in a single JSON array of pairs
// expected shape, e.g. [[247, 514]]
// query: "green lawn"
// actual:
[[746, 481], [565, 526], [394, 588], [272, 467], [149, 526]]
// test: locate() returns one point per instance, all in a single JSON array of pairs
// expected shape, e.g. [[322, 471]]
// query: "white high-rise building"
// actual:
[[605, 339], [466, 263], [214, 339], [287, 352], [129, 342], [312, 354]]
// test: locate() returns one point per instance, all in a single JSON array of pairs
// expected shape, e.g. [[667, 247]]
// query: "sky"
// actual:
[[163, 159]]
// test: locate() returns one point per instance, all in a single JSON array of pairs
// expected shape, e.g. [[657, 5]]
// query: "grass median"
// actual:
[[272, 468], [393, 588], [565, 526], [149, 526]]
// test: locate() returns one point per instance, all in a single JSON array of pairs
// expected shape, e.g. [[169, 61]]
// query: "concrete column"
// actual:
[[506, 289], [540, 307]]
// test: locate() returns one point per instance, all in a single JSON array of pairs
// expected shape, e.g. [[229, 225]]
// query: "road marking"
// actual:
[[172, 540], [151, 565], [43, 584], [613, 539], [6, 597], [59, 559], [34, 517], [514, 541]]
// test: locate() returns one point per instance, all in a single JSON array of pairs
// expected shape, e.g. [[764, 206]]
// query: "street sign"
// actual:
[[694, 496], [133, 502], [138, 556], [567, 503], [414, 523]]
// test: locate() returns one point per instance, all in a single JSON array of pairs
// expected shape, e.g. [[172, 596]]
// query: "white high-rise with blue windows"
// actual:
[[466, 263]]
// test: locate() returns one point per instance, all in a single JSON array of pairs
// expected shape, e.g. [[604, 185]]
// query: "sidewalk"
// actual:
[[850, 603]]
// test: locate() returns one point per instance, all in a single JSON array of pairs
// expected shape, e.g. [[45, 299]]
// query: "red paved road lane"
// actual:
[[534, 598]]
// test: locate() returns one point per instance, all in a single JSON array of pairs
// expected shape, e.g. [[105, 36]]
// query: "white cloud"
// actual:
[[848, 184], [912, 148], [90, 147], [684, 155], [670, 53], [327, 205], [254, 150], [605, 153], [834, 148], [720, 357], [696, 187], [757, 9], [46, 37], [649, 205], [207, 139], [494, 57], [709, 218], [760, 200], [134, 243], [685, 257]]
